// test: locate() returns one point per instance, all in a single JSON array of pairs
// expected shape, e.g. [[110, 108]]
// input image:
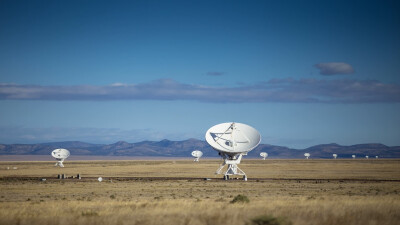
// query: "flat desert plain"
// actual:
[[172, 191]]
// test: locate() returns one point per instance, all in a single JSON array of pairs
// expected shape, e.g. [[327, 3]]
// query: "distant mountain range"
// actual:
[[167, 148]]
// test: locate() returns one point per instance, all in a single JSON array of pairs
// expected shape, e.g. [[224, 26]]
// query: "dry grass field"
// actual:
[[294, 192]]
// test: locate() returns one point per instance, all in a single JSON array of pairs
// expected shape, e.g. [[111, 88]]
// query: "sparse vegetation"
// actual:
[[270, 220], [240, 199], [89, 213], [147, 202]]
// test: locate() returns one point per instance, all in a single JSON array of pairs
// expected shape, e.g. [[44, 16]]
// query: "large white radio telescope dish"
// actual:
[[233, 138], [60, 155], [353, 156], [232, 141], [197, 154], [334, 156], [307, 155], [264, 155]]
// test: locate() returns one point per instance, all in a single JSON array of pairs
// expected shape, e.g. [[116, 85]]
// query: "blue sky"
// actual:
[[300, 72]]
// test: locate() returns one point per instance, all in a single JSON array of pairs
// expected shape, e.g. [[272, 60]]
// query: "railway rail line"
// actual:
[[105, 179]]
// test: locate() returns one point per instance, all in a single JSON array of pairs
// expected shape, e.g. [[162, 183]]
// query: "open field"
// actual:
[[301, 191]]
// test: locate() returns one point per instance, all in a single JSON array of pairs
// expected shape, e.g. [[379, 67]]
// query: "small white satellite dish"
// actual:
[[376, 157], [100, 179], [264, 155], [366, 157], [334, 156], [307, 155], [60, 155], [232, 141], [353, 156], [197, 154]]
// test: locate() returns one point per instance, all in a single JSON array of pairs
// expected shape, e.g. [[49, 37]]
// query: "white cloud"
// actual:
[[334, 68], [119, 84], [275, 90]]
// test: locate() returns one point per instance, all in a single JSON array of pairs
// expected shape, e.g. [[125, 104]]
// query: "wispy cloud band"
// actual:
[[21, 135], [275, 90]]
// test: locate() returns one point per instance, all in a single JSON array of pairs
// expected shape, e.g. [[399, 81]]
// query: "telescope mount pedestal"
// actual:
[[233, 169]]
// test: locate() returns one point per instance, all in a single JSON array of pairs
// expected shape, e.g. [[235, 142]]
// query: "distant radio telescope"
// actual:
[[307, 155], [264, 155], [60, 155], [376, 157], [353, 156], [334, 156], [366, 157], [232, 141], [197, 154]]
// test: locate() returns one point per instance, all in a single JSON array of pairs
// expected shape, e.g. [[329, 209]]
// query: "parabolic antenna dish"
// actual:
[[197, 154], [232, 141], [233, 138], [264, 155], [60, 153]]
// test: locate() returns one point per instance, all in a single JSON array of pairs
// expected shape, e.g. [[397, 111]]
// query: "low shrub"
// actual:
[[270, 220], [240, 199], [89, 213]]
